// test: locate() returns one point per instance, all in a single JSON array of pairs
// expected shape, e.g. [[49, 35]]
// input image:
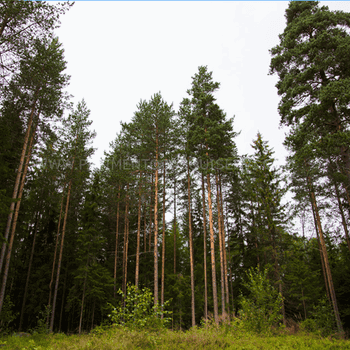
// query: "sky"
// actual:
[[121, 52]]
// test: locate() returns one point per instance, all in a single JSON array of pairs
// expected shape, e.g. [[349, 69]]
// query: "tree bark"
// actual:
[[138, 235], [205, 252], [220, 247], [29, 271], [61, 252], [17, 182], [190, 243], [18, 204], [326, 262], [163, 246], [116, 246], [156, 224]]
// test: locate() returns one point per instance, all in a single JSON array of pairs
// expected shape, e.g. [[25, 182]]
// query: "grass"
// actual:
[[197, 338]]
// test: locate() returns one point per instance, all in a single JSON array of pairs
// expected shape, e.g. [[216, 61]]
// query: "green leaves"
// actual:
[[138, 310], [262, 309]]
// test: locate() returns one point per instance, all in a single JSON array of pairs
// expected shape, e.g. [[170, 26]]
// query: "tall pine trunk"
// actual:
[[18, 204], [155, 254], [205, 252], [116, 246], [220, 247], [190, 243], [138, 235], [326, 262], [61, 252], [163, 245]]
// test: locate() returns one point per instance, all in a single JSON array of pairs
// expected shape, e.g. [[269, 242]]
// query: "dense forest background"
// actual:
[[173, 207]]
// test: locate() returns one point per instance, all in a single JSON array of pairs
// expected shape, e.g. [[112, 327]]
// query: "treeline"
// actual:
[[173, 207]]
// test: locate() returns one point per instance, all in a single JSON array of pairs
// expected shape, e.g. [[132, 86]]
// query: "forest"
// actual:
[[173, 209]]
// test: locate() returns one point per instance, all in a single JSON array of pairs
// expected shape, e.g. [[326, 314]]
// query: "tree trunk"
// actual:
[[190, 243], [342, 215], [156, 225], [116, 246], [54, 256], [174, 227], [205, 252], [61, 252], [220, 248], [224, 246], [163, 246], [326, 262], [82, 304], [17, 183], [13, 231], [126, 241], [29, 271], [212, 252], [138, 235], [63, 295]]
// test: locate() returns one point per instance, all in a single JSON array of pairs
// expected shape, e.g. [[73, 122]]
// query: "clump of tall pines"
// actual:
[[174, 210]]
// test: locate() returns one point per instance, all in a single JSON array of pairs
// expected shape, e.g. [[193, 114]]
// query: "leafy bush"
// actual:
[[262, 309], [7, 315], [321, 321], [139, 311]]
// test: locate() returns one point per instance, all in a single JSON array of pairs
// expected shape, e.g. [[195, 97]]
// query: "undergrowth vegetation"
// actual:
[[137, 323]]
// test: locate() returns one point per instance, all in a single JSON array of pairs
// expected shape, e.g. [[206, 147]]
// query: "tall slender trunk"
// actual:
[[63, 295], [190, 242], [205, 251], [150, 217], [222, 283], [61, 251], [342, 215], [174, 227], [18, 204], [163, 245], [138, 235], [224, 245], [116, 246], [126, 240], [156, 224], [326, 262], [212, 252], [54, 256], [17, 182], [29, 270], [319, 246], [82, 304]]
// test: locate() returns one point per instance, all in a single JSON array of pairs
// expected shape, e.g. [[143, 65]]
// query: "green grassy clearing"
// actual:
[[199, 338]]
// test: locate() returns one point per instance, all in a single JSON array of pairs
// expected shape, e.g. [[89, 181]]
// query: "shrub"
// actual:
[[138, 310], [262, 309], [321, 321]]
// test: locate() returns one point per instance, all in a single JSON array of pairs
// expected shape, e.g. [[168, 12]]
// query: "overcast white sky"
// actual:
[[119, 52]]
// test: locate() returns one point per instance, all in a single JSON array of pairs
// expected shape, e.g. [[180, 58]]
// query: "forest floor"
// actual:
[[198, 338]]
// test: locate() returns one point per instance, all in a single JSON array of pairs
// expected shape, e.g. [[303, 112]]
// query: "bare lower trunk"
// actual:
[[220, 248], [82, 306], [205, 252], [55, 255], [190, 243], [212, 253], [326, 262], [29, 271], [13, 231], [342, 215], [163, 246], [116, 246], [174, 227], [126, 241], [17, 183], [138, 236], [61, 254]]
